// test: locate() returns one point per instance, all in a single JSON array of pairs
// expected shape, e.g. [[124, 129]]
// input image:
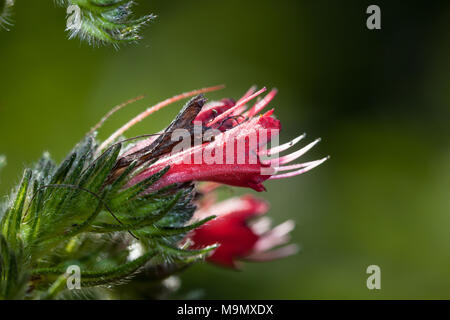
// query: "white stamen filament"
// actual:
[[275, 237], [261, 225], [300, 171], [297, 154], [273, 254], [286, 146], [298, 166]]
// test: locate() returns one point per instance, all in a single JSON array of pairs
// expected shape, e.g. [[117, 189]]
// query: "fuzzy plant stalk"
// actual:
[[120, 218], [98, 22]]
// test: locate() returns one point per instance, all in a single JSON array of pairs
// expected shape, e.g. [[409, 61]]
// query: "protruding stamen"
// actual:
[[300, 171], [285, 146], [273, 254], [153, 109], [297, 166], [260, 105], [291, 157], [239, 111], [236, 106], [275, 237], [114, 110], [261, 225], [269, 113], [247, 94]]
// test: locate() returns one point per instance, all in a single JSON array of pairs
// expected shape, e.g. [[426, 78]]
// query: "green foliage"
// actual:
[[72, 214], [95, 21], [105, 21]]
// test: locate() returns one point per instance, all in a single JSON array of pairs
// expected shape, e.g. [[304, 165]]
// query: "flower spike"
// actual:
[[150, 208], [236, 155]]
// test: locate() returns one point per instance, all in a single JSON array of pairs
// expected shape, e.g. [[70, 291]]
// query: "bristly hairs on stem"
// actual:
[[99, 22], [102, 22]]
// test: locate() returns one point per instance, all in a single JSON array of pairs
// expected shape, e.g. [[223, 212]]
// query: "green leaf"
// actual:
[[96, 166], [135, 223], [63, 169], [138, 188], [76, 229], [171, 231], [13, 218], [12, 278], [95, 278], [187, 255], [104, 168], [122, 179]]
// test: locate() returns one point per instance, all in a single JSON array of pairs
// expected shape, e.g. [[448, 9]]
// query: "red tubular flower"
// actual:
[[235, 156], [241, 232], [222, 163], [233, 151]]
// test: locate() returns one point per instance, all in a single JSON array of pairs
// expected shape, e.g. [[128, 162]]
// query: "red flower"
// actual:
[[233, 151], [241, 232], [235, 156], [213, 109]]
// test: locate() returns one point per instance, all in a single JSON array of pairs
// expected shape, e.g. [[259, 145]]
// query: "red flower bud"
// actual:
[[239, 232]]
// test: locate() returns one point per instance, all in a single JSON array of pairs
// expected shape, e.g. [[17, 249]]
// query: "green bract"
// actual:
[[71, 215]]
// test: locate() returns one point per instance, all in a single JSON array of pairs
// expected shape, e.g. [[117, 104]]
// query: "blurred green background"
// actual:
[[379, 99]]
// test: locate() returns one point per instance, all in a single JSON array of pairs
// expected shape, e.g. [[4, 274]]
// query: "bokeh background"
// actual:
[[379, 99]]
